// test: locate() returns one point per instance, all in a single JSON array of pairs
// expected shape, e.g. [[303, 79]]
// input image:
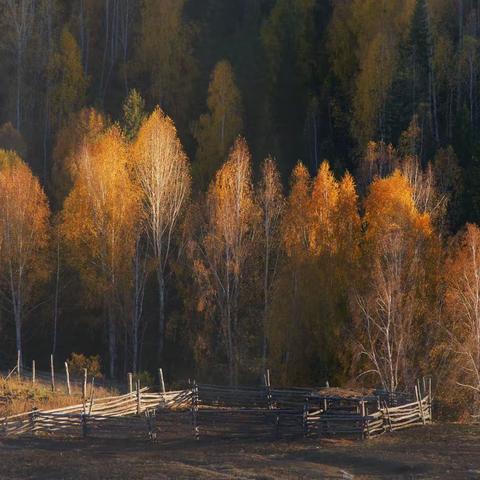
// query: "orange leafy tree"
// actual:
[[390, 301], [461, 321], [225, 245], [24, 237], [99, 223], [320, 238]]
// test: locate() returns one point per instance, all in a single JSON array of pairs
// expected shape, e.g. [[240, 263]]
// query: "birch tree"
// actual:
[[225, 244], [99, 225], [272, 204], [163, 174], [389, 303], [140, 275], [462, 308], [24, 235]]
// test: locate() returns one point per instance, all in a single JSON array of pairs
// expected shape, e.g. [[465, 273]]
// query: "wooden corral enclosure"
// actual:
[[206, 411]]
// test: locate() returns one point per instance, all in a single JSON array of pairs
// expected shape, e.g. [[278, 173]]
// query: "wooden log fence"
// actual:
[[364, 418], [94, 410], [234, 412], [261, 397]]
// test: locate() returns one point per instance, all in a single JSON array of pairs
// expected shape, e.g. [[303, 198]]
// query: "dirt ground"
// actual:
[[436, 451]]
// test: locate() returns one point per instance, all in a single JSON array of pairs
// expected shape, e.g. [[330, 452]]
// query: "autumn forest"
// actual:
[[220, 187]]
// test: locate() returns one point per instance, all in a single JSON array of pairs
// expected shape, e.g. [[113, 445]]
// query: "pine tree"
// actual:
[[411, 91], [133, 114]]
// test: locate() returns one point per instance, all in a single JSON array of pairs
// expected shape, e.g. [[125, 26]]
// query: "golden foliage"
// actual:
[[461, 322], [322, 209], [226, 245], [162, 171], [321, 235], [396, 283], [390, 206], [231, 203], [295, 234], [78, 362], [24, 227], [101, 214]]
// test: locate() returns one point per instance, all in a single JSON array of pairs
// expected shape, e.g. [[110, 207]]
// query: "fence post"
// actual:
[[52, 372], [130, 382], [84, 425], [268, 390], [364, 426], [419, 403], [389, 421], [84, 385], [305, 417], [33, 372], [138, 396], [92, 389], [430, 398], [32, 419], [68, 379], [420, 394], [162, 383], [18, 365], [194, 410]]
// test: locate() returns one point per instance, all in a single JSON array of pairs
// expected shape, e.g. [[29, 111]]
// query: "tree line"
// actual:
[[242, 276]]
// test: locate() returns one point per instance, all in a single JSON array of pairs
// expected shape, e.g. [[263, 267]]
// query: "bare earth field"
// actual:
[[436, 451]]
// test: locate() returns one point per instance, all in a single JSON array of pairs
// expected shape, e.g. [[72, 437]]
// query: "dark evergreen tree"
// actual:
[[411, 88]]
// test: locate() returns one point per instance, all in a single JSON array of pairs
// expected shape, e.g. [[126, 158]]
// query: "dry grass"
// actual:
[[17, 396]]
